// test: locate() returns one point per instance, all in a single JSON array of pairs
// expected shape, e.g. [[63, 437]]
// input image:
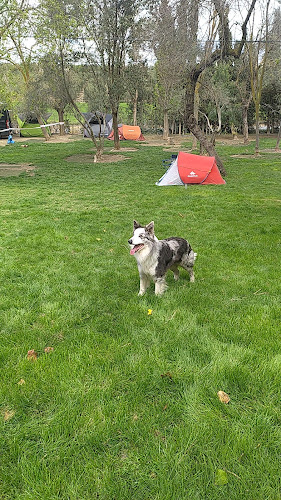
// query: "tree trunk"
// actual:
[[44, 129], [257, 147], [196, 111], [219, 119], [245, 126], [166, 125], [115, 129], [278, 138], [207, 145], [179, 128], [234, 132], [193, 126], [135, 104], [61, 119], [99, 153]]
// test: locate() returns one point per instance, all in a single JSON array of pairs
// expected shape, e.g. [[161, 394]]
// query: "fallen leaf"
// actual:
[[8, 414], [21, 381], [48, 349], [135, 417], [149, 312], [223, 397], [221, 477], [165, 407], [98, 239], [32, 355]]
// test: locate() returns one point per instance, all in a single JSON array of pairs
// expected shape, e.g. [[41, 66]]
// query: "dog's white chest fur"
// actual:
[[147, 261]]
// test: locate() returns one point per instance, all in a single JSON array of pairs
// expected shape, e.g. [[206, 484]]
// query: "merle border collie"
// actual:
[[155, 257]]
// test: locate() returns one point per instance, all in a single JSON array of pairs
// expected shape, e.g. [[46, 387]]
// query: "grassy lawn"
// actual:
[[125, 407]]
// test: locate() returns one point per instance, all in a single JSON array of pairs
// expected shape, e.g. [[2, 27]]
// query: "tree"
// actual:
[[10, 12], [243, 86], [258, 54], [271, 94], [58, 44], [169, 49], [52, 82], [107, 32], [220, 51], [216, 92], [21, 56], [11, 88], [136, 78]]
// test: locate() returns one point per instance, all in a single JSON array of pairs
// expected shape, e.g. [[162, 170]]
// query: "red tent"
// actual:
[[132, 133], [195, 169], [192, 169]]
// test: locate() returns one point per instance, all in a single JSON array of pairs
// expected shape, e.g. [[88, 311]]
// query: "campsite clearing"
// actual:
[[100, 399]]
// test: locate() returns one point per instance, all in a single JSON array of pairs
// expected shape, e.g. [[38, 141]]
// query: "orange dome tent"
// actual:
[[128, 132]]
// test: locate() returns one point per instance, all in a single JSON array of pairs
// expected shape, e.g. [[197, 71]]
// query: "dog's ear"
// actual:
[[150, 228], [136, 225]]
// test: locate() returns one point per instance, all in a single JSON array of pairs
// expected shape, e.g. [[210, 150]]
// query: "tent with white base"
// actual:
[[191, 169]]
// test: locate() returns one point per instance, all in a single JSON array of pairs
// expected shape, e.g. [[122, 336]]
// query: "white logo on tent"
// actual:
[[192, 174]]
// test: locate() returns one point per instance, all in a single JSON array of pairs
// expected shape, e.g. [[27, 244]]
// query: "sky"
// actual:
[[238, 10]]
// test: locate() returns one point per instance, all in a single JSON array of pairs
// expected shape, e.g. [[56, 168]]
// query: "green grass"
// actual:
[[100, 416]]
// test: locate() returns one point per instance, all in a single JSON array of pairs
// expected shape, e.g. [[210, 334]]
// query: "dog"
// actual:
[[155, 257]]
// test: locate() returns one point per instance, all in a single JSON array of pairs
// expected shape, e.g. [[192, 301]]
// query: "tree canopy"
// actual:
[[175, 63]]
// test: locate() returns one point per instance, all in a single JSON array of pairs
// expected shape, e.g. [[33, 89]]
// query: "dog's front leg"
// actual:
[[144, 283], [191, 274], [160, 286]]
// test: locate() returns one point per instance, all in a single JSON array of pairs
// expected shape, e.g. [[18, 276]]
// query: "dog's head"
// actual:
[[143, 236]]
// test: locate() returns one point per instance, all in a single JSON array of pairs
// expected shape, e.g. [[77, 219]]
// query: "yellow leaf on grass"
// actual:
[[149, 312], [221, 477], [8, 414], [223, 397], [21, 381]]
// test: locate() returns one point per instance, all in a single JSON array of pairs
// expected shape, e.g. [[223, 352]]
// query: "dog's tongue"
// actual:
[[135, 249]]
